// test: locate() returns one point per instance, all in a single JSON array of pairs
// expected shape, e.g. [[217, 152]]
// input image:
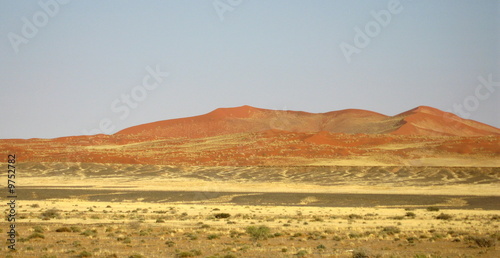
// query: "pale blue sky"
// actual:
[[65, 79]]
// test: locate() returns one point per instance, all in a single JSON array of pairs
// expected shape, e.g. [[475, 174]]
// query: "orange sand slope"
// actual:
[[425, 121], [247, 136]]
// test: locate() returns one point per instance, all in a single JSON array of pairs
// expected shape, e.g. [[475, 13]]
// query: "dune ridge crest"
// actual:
[[422, 120]]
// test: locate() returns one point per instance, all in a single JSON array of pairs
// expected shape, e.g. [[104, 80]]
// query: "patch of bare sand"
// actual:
[[456, 162], [358, 161], [229, 186]]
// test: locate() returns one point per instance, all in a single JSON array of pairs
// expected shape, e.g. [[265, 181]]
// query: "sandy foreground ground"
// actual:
[[81, 228], [119, 210]]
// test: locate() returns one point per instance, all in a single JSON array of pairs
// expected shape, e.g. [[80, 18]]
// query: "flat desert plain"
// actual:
[[68, 209]]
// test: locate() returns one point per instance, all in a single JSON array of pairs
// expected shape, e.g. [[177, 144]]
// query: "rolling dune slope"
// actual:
[[423, 121]]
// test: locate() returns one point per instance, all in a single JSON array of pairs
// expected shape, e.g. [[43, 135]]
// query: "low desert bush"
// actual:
[[84, 254], [360, 253], [355, 216], [212, 236], [444, 216], [391, 230], [50, 214], [411, 214], [38, 229], [64, 229], [258, 233], [301, 253], [484, 241], [89, 232], [222, 215], [35, 235], [191, 253], [75, 229]]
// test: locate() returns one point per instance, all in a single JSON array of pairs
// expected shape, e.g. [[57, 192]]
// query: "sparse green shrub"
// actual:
[[222, 215], [170, 243], [321, 247], [184, 254], [136, 256], [84, 254], [50, 214], [432, 208], [258, 233], [191, 236], [35, 235], [438, 236], [75, 229], [411, 240], [355, 216], [355, 235], [484, 241], [317, 219], [196, 252], [160, 221], [391, 230], [38, 229], [444, 216], [301, 253], [63, 229], [360, 253], [411, 214], [212, 236], [89, 232]]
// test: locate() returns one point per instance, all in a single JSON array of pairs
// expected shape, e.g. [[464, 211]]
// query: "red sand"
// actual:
[[251, 136]]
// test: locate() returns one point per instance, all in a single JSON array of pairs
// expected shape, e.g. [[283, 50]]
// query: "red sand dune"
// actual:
[[247, 136], [419, 121]]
